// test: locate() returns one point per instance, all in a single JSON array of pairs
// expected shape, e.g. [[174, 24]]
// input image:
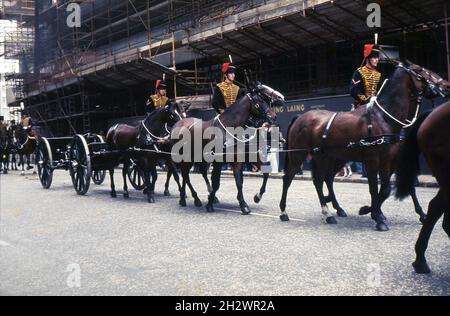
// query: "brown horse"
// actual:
[[365, 135], [256, 104], [24, 143], [146, 135], [429, 136]]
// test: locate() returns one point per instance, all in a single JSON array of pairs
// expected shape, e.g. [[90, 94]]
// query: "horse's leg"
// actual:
[[22, 164], [172, 170], [185, 167], [435, 210], [197, 201], [239, 179], [293, 165], [329, 180], [28, 162], [257, 198], [6, 162], [113, 187], [169, 175], [417, 206], [204, 171], [126, 165], [377, 197], [154, 178], [215, 179], [148, 185], [319, 173]]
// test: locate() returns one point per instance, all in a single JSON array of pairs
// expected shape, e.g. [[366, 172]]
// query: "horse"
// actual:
[[4, 152], [430, 136], [23, 141], [145, 136], [365, 135], [256, 104]]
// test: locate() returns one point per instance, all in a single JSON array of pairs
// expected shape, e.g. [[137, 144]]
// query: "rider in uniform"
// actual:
[[159, 99], [364, 85], [25, 120], [366, 79], [226, 93]]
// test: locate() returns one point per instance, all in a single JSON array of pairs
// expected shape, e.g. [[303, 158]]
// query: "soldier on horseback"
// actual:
[[159, 99], [26, 121], [366, 79], [226, 93]]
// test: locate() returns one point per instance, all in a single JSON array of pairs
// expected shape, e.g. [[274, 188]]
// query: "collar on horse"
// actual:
[[153, 135], [408, 123]]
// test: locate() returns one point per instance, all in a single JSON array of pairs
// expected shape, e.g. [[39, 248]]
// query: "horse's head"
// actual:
[[429, 83], [263, 98], [174, 113]]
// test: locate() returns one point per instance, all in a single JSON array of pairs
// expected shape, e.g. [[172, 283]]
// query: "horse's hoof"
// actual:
[[183, 203], [209, 208], [126, 195], [382, 227], [197, 202], [365, 210], [284, 218], [341, 213], [166, 193], [331, 220], [113, 194], [151, 199], [257, 198], [5, 172], [246, 210], [421, 267], [423, 219]]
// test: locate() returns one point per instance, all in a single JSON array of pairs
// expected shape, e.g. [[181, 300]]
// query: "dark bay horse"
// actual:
[[365, 135], [256, 104], [23, 141], [145, 136], [429, 136]]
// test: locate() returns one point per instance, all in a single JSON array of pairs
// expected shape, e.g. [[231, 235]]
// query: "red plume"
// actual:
[[225, 67], [368, 50]]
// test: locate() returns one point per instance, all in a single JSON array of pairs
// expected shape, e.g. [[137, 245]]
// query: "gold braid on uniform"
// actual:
[[229, 91], [159, 101], [371, 79]]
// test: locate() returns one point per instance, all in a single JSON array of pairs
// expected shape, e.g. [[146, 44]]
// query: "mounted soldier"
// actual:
[[366, 79], [226, 93], [159, 99], [26, 121]]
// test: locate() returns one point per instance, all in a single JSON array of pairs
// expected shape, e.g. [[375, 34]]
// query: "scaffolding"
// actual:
[[16, 48], [81, 77]]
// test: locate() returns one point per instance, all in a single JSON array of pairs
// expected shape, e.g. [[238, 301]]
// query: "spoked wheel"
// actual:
[[136, 176], [98, 176], [44, 163], [80, 165]]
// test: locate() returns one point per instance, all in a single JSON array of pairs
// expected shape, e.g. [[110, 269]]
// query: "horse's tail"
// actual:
[[286, 145], [408, 166]]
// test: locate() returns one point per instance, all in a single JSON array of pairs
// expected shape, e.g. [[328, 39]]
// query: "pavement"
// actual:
[[54, 242]]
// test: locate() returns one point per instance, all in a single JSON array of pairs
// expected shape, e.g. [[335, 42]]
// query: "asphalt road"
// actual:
[[55, 242]]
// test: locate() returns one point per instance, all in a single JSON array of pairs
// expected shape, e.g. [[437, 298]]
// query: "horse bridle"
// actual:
[[165, 127], [431, 85], [17, 143]]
